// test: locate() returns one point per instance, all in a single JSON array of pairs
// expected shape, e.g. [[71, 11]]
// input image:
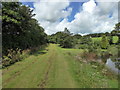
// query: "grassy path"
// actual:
[[47, 70], [53, 68]]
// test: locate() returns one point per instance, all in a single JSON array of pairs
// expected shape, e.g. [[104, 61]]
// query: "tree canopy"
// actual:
[[19, 29]]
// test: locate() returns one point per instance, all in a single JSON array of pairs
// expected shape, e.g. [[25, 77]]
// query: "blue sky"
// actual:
[[28, 3], [79, 17], [74, 5], [76, 8]]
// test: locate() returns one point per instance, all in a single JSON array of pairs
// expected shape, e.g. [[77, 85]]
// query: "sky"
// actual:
[[79, 17]]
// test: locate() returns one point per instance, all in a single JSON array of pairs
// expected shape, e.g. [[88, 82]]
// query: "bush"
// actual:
[[12, 57], [6, 61], [113, 50], [104, 42], [18, 54], [67, 42]]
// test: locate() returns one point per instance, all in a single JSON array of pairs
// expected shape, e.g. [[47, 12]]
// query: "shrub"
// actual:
[[12, 57], [104, 42], [68, 42], [18, 54], [5, 61], [113, 50]]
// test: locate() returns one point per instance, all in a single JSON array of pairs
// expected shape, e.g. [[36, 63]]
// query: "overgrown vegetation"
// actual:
[[19, 31]]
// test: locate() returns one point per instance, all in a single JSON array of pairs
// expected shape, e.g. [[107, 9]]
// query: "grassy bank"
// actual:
[[94, 74]]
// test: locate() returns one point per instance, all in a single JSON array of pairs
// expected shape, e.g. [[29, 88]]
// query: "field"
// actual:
[[55, 67]]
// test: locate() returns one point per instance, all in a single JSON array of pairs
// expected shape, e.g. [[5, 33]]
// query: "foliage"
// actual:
[[104, 42], [110, 39], [117, 30], [115, 39], [67, 42], [113, 50], [95, 35], [65, 39], [12, 57], [117, 26], [19, 29]]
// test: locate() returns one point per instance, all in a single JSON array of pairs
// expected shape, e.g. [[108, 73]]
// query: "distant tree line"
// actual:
[[68, 40], [65, 39]]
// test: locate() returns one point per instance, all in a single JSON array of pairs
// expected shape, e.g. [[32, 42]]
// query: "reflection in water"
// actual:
[[112, 61], [112, 65]]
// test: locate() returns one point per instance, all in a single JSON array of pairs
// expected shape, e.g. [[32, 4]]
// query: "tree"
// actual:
[[68, 42], [107, 33], [77, 36], [66, 31], [117, 26], [110, 39], [86, 40], [117, 29], [19, 29], [104, 42]]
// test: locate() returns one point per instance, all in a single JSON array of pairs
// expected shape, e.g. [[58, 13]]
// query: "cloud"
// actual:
[[92, 19], [49, 14], [89, 6], [51, 11]]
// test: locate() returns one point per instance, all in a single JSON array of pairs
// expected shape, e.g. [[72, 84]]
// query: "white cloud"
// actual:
[[92, 19], [49, 13], [89, 6]]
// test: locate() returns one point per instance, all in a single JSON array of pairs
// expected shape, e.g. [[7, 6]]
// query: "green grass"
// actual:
[[87, 76], [55, 68], [97, 39], [115, 39], [0, 79]]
